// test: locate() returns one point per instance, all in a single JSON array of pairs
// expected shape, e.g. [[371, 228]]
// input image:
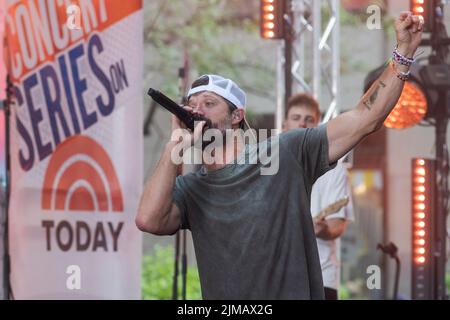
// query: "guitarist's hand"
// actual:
[[321, 228], [329, 229]]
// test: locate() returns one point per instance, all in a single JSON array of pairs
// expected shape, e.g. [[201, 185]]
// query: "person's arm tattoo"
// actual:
[[369, 103]]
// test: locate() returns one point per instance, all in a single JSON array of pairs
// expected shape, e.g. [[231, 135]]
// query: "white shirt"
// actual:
[[329, 188]]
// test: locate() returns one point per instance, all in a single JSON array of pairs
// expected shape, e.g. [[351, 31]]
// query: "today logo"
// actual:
[[80, 178]]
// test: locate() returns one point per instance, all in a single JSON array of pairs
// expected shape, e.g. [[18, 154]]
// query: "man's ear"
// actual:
[[237, 116]]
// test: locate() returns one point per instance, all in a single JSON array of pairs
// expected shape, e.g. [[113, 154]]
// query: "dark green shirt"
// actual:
[[253, 234]]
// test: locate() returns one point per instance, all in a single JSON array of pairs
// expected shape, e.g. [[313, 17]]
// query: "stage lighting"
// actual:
[[271, 19], [412, 106], [423, 208], [426, 9]]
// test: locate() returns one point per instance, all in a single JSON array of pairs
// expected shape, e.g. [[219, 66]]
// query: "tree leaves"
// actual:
[[221, 37]]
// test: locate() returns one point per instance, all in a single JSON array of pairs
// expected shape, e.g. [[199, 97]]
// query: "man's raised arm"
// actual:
[[346, 130]]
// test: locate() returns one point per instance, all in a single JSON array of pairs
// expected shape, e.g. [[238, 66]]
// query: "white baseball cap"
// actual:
[[221, 86]]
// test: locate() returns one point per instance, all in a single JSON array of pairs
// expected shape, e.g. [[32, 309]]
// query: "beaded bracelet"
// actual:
[[404, 76], [398, 57]]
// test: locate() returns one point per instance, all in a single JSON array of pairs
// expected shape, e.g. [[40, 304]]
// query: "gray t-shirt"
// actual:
[[253, 234]]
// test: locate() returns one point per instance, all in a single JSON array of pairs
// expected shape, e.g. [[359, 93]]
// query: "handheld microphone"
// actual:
[[185, 116]]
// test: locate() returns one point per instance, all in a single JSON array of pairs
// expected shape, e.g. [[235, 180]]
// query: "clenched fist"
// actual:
[[408, 30]]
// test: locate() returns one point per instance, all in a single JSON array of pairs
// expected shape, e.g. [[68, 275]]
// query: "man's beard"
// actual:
[[223, 127]]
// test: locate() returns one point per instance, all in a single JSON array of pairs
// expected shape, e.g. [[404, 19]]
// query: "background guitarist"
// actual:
[[303, 112]]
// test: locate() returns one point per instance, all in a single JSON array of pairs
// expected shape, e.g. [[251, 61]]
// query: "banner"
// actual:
[[2, 65], [2, 147], [76, 149]]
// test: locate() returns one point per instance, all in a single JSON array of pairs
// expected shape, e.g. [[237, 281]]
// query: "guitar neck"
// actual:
[[333, 208], [325, 212]]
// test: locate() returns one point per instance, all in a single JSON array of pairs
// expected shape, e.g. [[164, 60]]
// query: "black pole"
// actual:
[[391, 250], [397, 276], [439, 41], [440, 230], [175, 270], [183, 74], [183, 266], [287, 70], [6, 259], [288, 40], [183, 78], [149, 117]]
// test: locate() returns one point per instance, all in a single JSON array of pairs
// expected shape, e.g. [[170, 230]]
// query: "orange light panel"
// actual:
[[409, 110], [271, 19]]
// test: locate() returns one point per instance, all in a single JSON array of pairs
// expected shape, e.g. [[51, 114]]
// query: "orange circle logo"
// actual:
[[80, 177]]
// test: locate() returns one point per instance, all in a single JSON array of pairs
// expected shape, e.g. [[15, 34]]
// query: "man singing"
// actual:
[[253, 233]]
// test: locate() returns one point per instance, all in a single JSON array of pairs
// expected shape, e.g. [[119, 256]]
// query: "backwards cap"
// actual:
[[221, 86]]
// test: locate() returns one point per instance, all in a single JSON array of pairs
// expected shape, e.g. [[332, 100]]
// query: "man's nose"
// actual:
[[302, 124], [198, 110]]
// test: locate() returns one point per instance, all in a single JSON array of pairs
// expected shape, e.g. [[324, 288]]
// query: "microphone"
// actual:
[[185, 116]]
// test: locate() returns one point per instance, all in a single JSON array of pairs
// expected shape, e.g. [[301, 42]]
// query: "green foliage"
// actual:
[[220, 36], [157, 276], [349, 19], [344, 293], [389, 26]]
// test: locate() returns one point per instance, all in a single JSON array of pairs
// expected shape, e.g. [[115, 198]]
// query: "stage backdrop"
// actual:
[[76, 148], [2, 145], [2, 66]]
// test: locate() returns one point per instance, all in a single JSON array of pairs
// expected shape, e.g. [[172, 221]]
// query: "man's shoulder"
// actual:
[[298, 135]]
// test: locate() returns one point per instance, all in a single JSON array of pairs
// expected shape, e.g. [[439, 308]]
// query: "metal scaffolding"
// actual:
[[311, 55]]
